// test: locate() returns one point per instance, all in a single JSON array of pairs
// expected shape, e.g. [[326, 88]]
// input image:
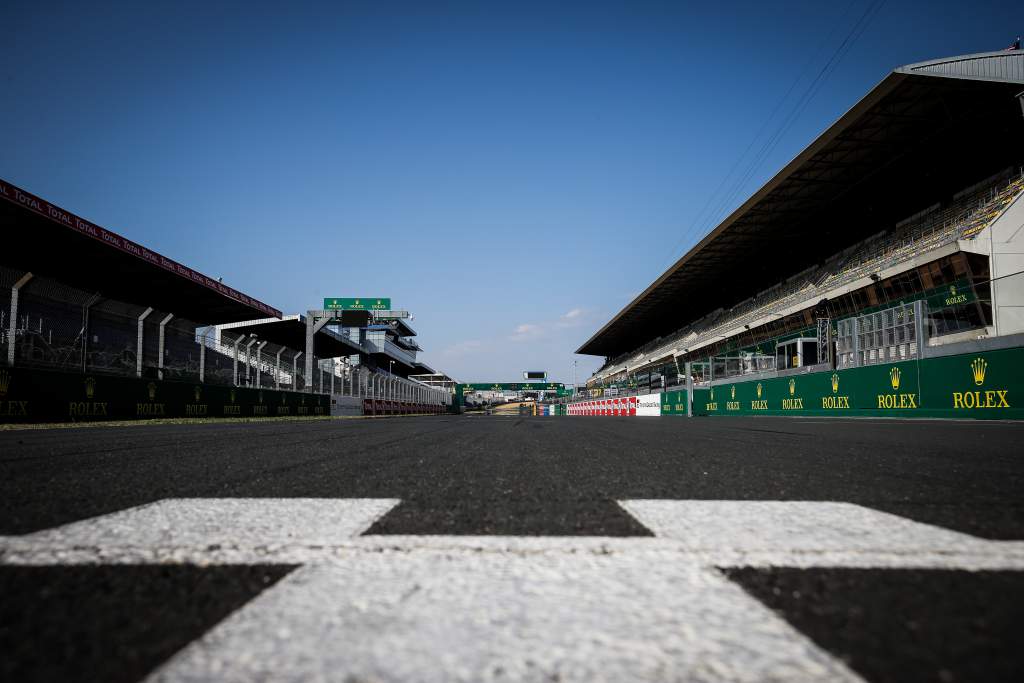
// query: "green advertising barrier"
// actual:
[[46, 396], [987, 385], [673, 403]]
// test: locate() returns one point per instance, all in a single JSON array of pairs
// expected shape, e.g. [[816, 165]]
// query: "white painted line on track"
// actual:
[[480, 608], [440, 616], [205, 522], [789, 527]]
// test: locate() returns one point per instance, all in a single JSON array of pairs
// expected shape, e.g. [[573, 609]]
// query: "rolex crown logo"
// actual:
[[952, 290], [978, 368], [712, 393], [732, 392], [835, 382], [198, 393], [759, 390], [90, 387], [261, 396], [792, 387], [5, 382], [232, 396], [151, 387], [894, 378]]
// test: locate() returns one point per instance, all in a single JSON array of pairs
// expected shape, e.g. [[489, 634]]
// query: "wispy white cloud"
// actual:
[[574, 318], [527, 332]]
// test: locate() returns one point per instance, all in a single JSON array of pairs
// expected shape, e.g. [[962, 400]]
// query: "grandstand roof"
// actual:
[[924, 132], [45, 239], [290, 331]]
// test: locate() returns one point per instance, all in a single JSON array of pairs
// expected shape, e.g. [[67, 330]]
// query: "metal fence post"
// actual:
[[334, 367], [160, 346], [248, 360], [689, 390], [13, 326], [234, 365], [259, 368], [295, 371], [920, 325], [202, 354], [138, 348], [85, 329], [277, 369], [856, 342]]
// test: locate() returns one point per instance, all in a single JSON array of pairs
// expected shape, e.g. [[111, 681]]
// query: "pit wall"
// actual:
[[981, 385], [47, 396], [986, 385]]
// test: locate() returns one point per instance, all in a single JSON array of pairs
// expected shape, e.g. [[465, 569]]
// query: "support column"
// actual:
[[310, 333], [138, 347], [259, 370], [160, 346], [295, 371], [334, 368], [277, 369]]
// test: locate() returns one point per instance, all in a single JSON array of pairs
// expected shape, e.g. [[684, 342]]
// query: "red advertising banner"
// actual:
[[56, 214]]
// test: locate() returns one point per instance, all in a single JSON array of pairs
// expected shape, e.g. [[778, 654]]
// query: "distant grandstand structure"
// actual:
[[898, 233]]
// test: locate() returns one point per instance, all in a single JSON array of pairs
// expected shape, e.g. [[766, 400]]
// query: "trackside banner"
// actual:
[[976, 385], [649, 405], [56, 214], [28, 395]]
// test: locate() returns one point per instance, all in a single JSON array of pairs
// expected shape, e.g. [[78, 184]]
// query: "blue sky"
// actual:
[[512, 173]]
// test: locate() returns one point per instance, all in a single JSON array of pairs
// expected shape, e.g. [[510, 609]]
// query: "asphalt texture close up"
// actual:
[[543, 478]]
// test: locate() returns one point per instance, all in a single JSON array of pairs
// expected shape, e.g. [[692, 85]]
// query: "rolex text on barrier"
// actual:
[[28, 395]]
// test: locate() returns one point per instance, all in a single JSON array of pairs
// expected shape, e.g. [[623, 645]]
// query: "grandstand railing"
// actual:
[[49, 325]]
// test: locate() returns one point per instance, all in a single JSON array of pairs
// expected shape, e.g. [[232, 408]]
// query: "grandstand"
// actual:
[[912, 194], [79, 300]]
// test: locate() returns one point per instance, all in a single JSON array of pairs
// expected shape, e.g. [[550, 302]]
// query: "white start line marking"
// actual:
[[466, 608]]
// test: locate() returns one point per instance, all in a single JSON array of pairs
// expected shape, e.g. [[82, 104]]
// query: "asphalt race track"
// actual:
[[514, 548]]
